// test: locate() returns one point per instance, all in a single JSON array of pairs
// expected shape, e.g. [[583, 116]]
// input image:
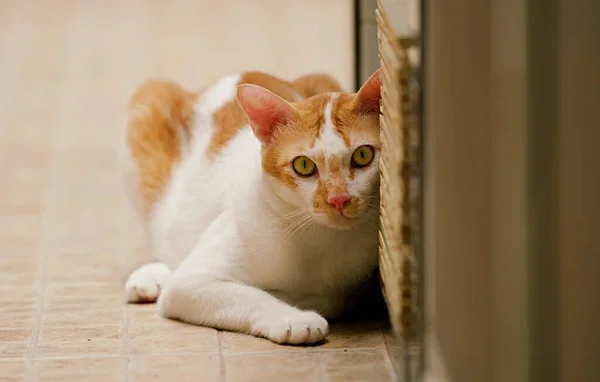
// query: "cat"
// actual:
[[260, 199]]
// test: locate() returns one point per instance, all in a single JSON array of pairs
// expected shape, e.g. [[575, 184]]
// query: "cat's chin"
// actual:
[[337, 222]]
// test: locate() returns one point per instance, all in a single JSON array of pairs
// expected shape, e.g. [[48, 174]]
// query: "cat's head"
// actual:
[[321, 154]]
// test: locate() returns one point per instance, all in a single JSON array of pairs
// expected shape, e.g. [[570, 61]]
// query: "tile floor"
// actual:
[[67, 234]]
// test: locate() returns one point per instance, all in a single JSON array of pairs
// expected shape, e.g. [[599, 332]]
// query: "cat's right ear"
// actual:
[[265, 110], [369, 95]]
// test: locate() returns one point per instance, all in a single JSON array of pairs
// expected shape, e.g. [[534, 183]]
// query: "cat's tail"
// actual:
[[159, 127]]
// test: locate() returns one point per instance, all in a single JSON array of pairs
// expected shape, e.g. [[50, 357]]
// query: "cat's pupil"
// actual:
[[362, 154], [304, 163]]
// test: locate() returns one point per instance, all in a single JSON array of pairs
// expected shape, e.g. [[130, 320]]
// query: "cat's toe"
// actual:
[[302, 328], [142, 291], [145, 284]]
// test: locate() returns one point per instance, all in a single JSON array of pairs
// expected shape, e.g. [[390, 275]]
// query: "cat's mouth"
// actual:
[[337, 220]]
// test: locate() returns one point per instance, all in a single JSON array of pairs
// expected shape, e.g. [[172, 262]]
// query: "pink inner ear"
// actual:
[[369, 94], [265, 110]]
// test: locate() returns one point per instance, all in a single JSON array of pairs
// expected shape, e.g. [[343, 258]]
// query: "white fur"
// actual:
[[239, 263], [146, 283]]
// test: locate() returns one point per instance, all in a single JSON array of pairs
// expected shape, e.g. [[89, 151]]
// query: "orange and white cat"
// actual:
[[259, 198]]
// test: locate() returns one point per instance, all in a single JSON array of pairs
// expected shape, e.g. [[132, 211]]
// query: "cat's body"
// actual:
[[254, 246]]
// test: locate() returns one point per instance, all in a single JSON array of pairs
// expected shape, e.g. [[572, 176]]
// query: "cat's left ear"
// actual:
[[369, 95], [265, 110]]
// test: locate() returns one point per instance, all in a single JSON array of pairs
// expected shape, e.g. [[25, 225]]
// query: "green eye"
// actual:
[[304, 166], [362, 156]]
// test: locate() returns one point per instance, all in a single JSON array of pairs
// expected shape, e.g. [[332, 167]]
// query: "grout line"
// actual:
[[222, 371], [49, 208], [123, 349]]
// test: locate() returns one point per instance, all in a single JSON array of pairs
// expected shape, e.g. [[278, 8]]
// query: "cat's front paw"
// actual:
[[146, 282], [295, 328]]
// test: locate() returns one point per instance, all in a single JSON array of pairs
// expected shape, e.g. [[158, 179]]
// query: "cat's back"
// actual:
[[189, 151], [171, 130], [223, 151], [218, 109]]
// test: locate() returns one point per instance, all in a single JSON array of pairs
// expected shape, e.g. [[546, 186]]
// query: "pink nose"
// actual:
[[338, 201]]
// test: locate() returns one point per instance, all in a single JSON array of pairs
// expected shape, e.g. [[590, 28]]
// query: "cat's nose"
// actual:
[[338, 201]]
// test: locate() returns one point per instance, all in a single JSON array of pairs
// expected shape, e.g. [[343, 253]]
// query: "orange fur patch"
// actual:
[[313, 84], [350, 123], [230, 118], [299, 136], [293, 137], [160, 116], [334, 184]]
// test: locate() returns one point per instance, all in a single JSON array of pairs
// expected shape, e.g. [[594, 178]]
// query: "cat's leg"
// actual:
[[158, 127], [203, 291], [199, 299], [145, 283]]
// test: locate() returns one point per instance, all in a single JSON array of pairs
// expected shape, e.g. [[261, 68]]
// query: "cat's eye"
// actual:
[[362, 156], [304, 166]]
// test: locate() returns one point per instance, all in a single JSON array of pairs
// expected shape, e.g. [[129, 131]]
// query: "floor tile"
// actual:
[[79, 333], [242, 343], [14, 335], [13, 349], [355, 335], [75, 365], [143, 363], [202, 340], [271, 367], [12, 367], [357, 365], [170, 376], [77, 377], [79, 347]]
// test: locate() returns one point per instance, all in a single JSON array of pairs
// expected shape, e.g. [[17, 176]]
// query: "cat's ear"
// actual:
[[265, 110], [369, 95]]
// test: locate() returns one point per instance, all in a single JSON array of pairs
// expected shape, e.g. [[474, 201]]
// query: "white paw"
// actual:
[[300, 327], [146, 282]]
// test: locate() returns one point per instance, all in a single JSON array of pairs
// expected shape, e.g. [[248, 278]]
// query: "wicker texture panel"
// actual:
[[398, 180]]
